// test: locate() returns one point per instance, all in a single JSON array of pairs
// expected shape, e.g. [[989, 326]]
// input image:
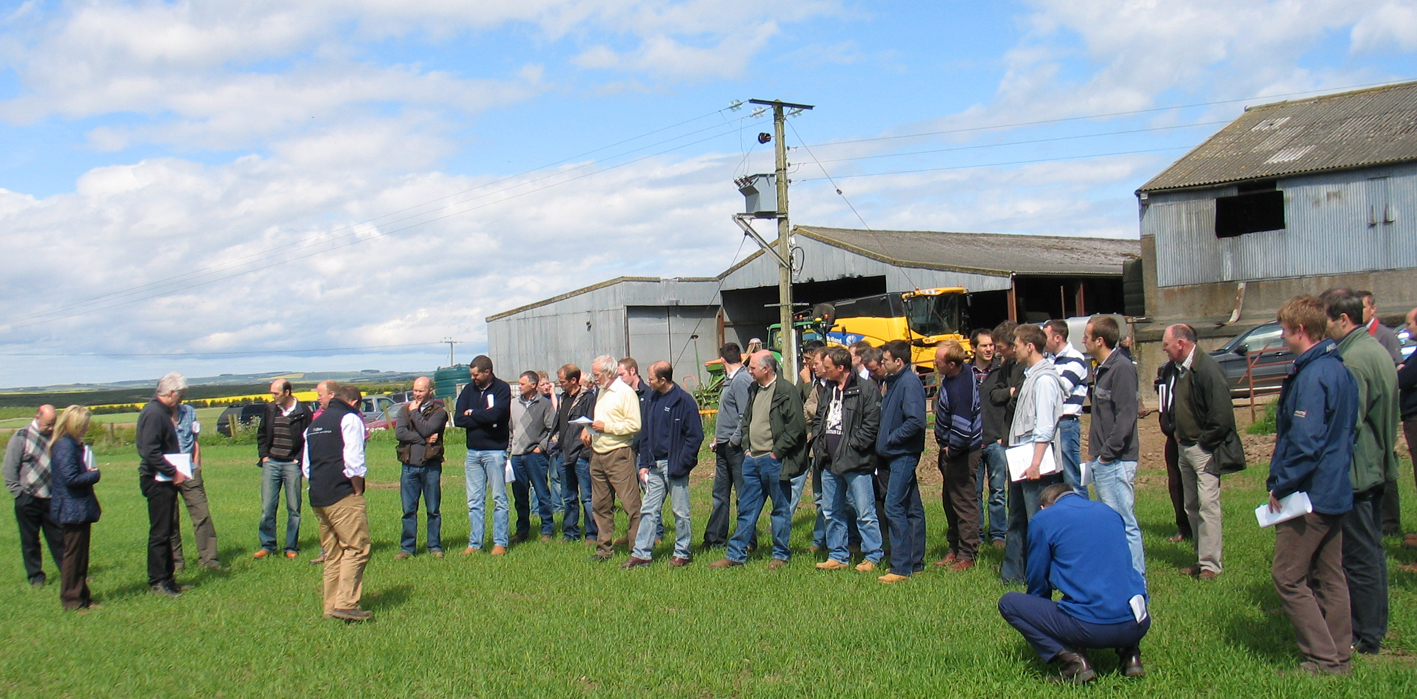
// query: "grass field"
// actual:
[[543, 621]]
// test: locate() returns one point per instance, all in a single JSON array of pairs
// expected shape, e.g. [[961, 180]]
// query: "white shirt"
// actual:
[[351, 427]]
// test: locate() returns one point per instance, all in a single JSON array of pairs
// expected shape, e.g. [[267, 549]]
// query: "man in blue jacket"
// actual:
[[959, 432], [1079, 548], [670, 434], [484, 410], [1313, 449], [899, 443]]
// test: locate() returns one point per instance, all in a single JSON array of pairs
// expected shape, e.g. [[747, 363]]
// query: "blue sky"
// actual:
[[211, 186]]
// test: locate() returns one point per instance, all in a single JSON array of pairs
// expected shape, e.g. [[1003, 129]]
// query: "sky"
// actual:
[[247, 186]]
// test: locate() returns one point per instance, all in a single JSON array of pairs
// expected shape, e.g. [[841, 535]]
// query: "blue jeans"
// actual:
[[859, 490], [424, 481], [798, 484], [530, 470], [1070, 441], [994, 471], [576, 477], [1023, 504], [1115, 488], [761, 480], [274, 475], [1051, 631], [553, 479], [652, 510], [819, 528], [906, 516], [482, 468], [727, 477]]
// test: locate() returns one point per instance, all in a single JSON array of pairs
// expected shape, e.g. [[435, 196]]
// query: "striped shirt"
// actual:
[[1072, 368]]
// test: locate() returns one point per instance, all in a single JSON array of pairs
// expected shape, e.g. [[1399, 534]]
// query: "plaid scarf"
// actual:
[[34, 462]]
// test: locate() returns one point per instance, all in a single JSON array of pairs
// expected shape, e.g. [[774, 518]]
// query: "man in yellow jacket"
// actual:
[[612, 461]]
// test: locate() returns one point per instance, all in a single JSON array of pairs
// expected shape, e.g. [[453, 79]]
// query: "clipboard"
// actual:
[[1020, 457]]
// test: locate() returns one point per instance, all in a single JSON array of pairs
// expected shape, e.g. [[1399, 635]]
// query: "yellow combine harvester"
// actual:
[[923, 317]]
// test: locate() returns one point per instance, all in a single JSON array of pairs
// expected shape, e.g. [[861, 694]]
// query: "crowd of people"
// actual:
[[853, 423]]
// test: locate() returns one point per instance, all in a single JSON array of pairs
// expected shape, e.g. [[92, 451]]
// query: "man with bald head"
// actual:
[[27, 479], [419, 430], [280, 441], [1203, 422]]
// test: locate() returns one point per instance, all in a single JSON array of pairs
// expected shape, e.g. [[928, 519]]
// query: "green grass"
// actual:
[[543, 621]]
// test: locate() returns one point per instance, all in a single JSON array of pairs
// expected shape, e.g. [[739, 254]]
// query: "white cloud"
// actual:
[[1388, 24]]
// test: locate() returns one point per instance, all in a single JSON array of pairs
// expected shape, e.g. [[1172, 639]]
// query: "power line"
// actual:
[[1011, 162], [1018, 143], [36, 319], [234, 353], [1106, 114], [237, 262]]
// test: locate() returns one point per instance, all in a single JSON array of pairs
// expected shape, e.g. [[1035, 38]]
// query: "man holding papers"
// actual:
[[1039, 407], [1313, 449], [158, 477]]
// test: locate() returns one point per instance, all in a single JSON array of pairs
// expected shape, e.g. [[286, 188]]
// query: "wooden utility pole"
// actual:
[[784, 244]]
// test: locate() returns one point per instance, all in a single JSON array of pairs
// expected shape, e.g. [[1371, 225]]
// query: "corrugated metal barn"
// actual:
[[685, 320], [1291, 198]]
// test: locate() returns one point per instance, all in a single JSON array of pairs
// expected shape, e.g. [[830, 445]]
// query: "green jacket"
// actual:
[[789, 426], [1374, 454]]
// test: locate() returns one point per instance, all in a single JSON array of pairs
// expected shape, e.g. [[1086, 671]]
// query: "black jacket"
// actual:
[[1407, 389], [489, 425], [670, 425], [1113, 436], [1004, 394], [325, 442], [156, 436], [413, 429], [265, 436], [995, 415], [788, 424], [71, 486], [1215, 413], [568, 436], [860, 421]]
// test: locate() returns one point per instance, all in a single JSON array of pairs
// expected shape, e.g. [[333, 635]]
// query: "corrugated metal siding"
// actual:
[[827, 262], [1327, 230]]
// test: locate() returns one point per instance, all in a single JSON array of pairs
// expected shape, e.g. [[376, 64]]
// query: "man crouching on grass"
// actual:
[[334, 467], [1079, 547]]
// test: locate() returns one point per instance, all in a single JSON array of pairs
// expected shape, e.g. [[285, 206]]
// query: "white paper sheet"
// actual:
[[507, 473], [181, 462], [1021, 457], [1291, 506]]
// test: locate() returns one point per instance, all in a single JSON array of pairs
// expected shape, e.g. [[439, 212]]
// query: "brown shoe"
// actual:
[[1191, 571], [402, 556], [291, 554], [437, 553], [998, 543], [318, 560], [519, 538], [962, 565], [354, 615], [679, 562], [1176, 539], [499, 550], [948, 560], [725, 563], [1208, 575], [633, 562], [890, 578], [832, 564], [865, 567], [776, 563], [545, 538], [261, 554], [1409, 568], [470, 550], [813, 548], [622, 541]]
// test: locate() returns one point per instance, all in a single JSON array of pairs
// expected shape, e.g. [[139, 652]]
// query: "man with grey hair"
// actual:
[[27, 478], [156, 440], [612, 463]]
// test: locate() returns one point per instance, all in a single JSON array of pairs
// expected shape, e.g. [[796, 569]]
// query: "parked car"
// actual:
[[378, 411], [1271, 366], [244, 415]]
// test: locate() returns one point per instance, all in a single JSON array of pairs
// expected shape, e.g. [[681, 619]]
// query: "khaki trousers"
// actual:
[[344, 537], [1202, 494], [194, 494], [1308, 575], [613, 475]]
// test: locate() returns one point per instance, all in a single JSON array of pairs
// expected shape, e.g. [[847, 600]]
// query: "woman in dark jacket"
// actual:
[[72, 503]]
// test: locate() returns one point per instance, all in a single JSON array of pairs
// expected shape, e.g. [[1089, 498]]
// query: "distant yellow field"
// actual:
[[224, 400]]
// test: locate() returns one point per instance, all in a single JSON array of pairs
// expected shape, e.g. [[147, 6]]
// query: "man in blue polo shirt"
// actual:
[[1079, 548]]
